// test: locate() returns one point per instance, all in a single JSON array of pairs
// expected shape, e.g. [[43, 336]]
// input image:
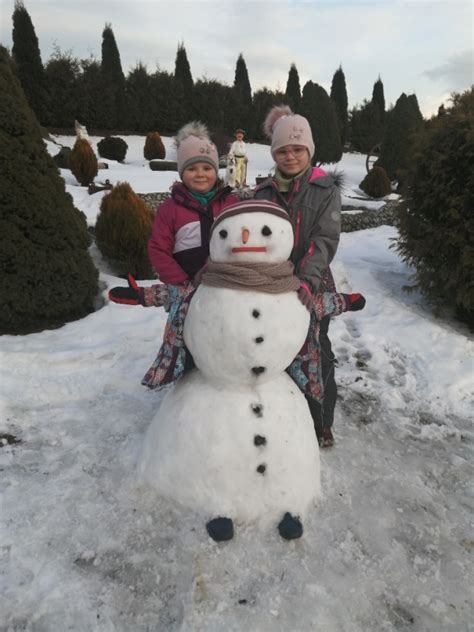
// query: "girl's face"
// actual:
[[200, 177], [239, 136], [292, 159]]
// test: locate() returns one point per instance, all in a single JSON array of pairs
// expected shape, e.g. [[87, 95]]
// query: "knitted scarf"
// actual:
[[273, 278], [204, 198]]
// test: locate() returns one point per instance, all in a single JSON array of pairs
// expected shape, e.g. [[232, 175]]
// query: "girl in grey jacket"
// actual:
[[313, 202]]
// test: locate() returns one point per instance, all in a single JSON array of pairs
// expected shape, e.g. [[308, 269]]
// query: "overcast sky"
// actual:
[[416, 46]]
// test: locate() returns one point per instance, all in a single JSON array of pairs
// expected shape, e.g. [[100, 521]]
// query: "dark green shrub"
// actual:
[[47, 275], [154, 148], [403, 122], [83, 162], [123, 229], [437, 220], [112, 148], [376, 183]]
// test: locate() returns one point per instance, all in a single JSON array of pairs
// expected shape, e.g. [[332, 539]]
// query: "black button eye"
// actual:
[[223, 233], [266, 231]]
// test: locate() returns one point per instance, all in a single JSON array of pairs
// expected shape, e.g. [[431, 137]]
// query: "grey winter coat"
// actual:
[[314, 205]]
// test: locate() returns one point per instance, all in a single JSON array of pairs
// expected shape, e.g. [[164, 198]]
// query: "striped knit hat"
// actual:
[[251, 206]]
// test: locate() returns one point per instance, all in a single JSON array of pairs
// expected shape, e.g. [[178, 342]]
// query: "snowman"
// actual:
[[234, 439]]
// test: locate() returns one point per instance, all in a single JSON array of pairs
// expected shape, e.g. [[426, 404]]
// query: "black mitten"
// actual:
[[354, 302], [131, 295]]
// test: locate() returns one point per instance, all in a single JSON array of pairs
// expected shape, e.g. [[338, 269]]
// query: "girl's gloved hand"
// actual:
[[131, 295]]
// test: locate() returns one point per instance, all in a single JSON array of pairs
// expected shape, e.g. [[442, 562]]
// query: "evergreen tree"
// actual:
[[170, 110], [113, 89], [437, 219], [48, 277], [89, 105], [378, 97], [211, 104], [293, 90], [182, 70], [243, 97], [339, 99], [318, 108], [139, 111], [241, 81], [402, 124], [29, 66], [62, 74], [184, 81], [366, 127], [263, 100]]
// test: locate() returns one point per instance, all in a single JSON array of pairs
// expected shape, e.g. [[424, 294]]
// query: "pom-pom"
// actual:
[[272, 117], [195, 128]]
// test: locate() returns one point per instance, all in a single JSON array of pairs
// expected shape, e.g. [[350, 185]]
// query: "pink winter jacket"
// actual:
[[179, 243]]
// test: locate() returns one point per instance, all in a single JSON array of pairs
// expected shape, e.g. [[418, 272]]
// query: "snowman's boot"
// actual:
[[290, 527], [220, 529]]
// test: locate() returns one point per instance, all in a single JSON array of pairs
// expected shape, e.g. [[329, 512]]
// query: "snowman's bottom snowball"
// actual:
[[246, 453]]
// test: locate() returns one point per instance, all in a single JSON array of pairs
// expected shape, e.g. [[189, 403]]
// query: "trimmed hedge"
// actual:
[[122, 231]]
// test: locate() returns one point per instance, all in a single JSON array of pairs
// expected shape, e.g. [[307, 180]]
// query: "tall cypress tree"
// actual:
[[48, 277], [318, 108], [113, 93], [184, 80], [241, 81], [182, 70], [243, 96], [339, 98], [378, 97], [29, 66], [403, 122], [293, 90]]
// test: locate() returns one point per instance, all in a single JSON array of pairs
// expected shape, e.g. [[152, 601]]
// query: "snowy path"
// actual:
[[83, 548]]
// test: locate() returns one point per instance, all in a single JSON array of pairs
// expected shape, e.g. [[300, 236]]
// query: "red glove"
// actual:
[[354, 302], [131, 295]]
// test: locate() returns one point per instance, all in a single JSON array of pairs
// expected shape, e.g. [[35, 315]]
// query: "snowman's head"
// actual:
[[252, 231]]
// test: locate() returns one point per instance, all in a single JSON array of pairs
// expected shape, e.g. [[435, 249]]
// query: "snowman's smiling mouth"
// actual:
[[250, 249]]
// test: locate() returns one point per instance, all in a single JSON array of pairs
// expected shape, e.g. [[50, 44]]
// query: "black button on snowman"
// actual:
[[234, 439]]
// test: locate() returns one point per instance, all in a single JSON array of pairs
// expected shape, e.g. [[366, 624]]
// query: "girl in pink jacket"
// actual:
[[179, 243]]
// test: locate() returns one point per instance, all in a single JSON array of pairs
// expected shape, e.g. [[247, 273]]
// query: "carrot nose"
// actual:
[[245, 235]]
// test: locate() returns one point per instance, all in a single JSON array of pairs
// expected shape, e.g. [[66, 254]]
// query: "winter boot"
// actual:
[[326, 440]]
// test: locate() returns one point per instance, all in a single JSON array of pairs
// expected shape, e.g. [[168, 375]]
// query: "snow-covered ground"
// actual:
[[84, 547]]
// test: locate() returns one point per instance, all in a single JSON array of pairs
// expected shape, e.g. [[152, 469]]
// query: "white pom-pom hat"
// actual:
[[194, 145], [283, 127]]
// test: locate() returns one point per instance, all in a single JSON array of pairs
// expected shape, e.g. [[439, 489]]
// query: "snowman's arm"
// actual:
[[161, 245]]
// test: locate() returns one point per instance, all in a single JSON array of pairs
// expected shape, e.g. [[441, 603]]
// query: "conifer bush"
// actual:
[[437, 220], [47, 275], [112, 148], [154, 148], [123, 229], [376, 183], [83, 162]]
